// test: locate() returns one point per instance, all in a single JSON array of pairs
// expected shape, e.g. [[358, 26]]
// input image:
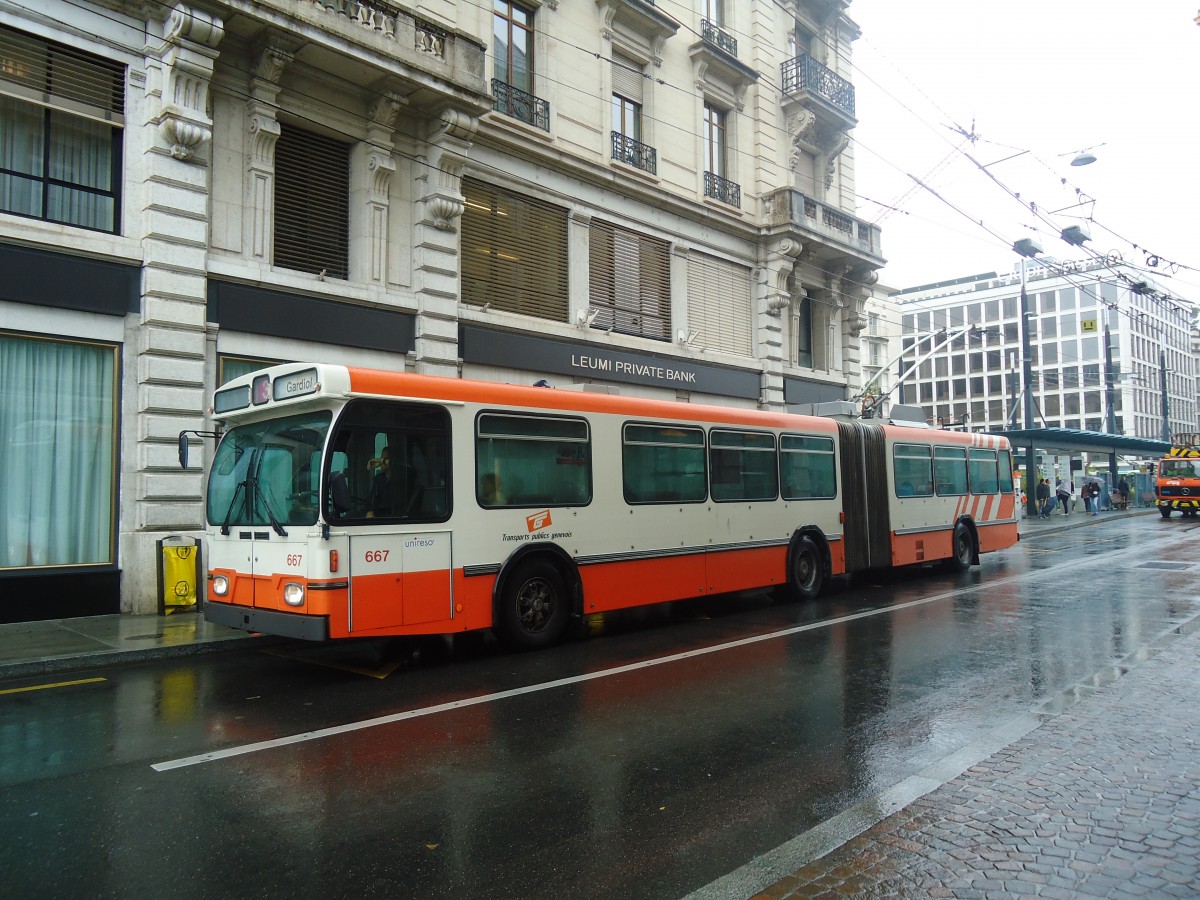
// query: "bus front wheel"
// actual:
[[1166, 511], [533, 607], [962, 549], [807, 572]]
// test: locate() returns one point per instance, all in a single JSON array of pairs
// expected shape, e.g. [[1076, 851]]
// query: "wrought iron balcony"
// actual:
[[519, 105], [805, 75], [633, 153], [720, 189], [788, 206], [714, 35]]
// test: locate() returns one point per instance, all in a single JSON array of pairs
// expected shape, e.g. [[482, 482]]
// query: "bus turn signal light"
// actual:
[[333, 561]]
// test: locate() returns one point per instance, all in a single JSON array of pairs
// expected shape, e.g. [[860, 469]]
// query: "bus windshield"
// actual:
[[1179, 468], [268, 473]]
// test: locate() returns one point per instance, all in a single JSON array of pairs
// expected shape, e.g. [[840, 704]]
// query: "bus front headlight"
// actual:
[[293, 594], [220, 586]]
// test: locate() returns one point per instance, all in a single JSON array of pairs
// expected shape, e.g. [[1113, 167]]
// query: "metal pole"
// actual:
[[1166, 401], [1027, 377], [1108, 399]]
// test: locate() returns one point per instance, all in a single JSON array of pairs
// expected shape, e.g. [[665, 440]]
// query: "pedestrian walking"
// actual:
[[1063, 491], [1123, 493], [1042, 496]]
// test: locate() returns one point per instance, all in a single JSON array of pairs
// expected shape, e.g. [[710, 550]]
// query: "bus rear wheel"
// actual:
[[806, 574], [962, 549], [533, 609]]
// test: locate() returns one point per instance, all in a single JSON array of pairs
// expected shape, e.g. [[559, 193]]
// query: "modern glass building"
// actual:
[[1109, 352]]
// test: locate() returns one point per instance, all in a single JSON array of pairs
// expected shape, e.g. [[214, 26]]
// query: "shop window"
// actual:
[[61, 132], [58, 469]]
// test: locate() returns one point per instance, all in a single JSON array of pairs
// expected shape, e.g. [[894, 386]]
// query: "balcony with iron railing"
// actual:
[[633, 153], [790, 207], [718, 38], [805, 78], [517, 104], [722, 189]]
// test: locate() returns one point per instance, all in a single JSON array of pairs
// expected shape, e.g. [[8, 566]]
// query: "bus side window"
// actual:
[[912, 470], [983, 476], [543, 460]]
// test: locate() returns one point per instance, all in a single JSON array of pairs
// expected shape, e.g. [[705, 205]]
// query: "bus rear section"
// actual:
[[913, 495]]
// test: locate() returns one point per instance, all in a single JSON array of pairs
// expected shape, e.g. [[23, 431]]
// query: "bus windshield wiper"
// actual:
[[241, 486], [258, 492]]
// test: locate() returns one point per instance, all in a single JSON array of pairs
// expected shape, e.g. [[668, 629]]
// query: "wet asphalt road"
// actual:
[[647, 762]]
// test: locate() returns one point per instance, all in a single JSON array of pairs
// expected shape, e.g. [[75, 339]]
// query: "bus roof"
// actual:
[[270, 390]]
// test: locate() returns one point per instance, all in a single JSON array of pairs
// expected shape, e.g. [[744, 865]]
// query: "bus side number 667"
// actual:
[[377, 555]]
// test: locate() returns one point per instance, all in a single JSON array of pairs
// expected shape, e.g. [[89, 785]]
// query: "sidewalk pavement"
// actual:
[[1096, 800]]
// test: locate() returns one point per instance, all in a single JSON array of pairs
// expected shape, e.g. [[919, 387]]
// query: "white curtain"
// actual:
[[57, 454], [81, 154], [21, 151]]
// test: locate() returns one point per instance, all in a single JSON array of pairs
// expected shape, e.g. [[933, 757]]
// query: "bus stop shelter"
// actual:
[[1070, 441]]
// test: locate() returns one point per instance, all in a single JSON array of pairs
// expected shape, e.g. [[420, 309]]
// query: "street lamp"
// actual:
[[1028, 248]]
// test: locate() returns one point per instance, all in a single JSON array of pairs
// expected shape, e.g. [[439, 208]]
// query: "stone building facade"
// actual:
[[582, 193]]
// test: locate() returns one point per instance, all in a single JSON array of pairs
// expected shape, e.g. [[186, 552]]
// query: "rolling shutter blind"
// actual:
[[630, 281], [627, 78], [719, 304], [514, 252], [62, 71], [312, 203]]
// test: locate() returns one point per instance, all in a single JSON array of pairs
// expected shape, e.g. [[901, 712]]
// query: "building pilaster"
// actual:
[[436, 262], [170, 338], [776, 292]]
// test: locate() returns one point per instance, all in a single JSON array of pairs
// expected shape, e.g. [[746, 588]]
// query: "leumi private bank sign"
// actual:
[[485, 346]]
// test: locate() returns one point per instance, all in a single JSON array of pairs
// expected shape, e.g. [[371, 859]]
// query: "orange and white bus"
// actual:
[[349, 502]]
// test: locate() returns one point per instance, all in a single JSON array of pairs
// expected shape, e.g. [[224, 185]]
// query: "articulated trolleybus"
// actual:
[[347, 502]]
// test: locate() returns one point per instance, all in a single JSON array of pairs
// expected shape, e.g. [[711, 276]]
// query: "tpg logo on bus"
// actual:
[[538, 520]]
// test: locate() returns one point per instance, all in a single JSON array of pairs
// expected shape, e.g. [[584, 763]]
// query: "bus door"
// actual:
[[399, 579]]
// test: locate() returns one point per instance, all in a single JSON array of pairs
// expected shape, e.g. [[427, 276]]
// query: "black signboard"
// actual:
[[599, 362]]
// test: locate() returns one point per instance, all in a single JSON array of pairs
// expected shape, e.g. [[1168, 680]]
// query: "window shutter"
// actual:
[[312, 203], [61, 71], [514, 252], [719, 304], [627, 78], [630, 281]]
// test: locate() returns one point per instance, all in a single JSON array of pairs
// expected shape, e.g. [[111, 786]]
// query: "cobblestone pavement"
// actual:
[[1102, 800]]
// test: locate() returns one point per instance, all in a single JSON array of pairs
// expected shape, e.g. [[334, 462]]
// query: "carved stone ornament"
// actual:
[[190, 38], [445, 210]]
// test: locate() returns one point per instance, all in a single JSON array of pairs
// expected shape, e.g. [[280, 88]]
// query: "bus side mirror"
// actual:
[[183, 449]]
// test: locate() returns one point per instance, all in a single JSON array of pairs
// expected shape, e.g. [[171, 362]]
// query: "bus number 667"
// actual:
[[377, 555]]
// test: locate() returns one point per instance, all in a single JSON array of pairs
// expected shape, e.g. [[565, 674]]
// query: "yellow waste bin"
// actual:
[[178, 574]]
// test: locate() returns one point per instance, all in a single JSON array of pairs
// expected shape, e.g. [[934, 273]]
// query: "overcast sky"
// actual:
[[1050, 77]]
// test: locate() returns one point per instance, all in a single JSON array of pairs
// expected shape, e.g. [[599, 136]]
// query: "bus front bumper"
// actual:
[[268, 621]]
